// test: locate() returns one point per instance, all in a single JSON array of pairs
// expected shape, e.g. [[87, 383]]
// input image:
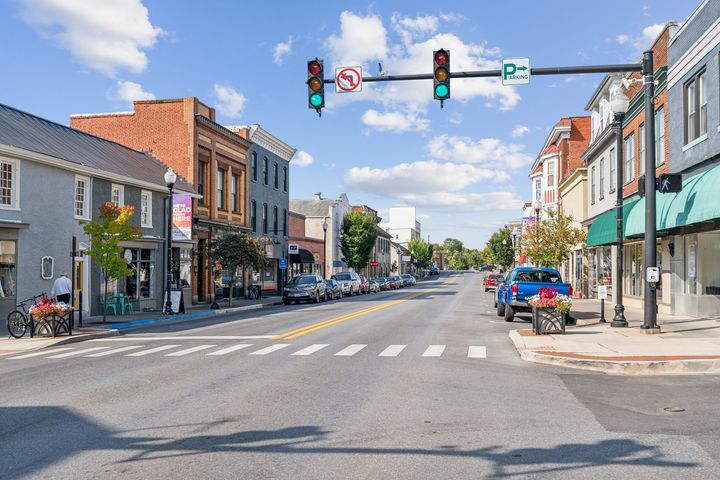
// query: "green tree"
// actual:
[[550, 242], [452, 251], [487, 256], [502, 253], [359, 232], [115, 226], [421, 252], [237, 250]]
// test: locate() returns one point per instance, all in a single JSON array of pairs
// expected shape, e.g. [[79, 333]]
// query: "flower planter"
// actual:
[[548, 320], [52, 325]]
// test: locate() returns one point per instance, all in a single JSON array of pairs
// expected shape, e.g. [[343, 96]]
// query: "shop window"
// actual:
[[691, 264], [275, 220], [592, 185], [8, 274], [629, 158], [253, 215], [82, 197], [276, 175], [660, 136], [221, 189], [265, 170], [285, 222], [641, 149], [285, 179], [254, 166], [695, 108], [141, 283], [265, 218], [8, 183], [633, 270], [202, 169], [707, 255], [234, 193]]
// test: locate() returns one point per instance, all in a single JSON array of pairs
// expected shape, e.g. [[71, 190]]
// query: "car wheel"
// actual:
[[317, 298], [486, 290], [500, 310], [325, 297], [509, 313], [286, 302]]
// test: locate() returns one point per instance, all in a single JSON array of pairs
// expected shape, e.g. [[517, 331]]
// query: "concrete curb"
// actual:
[[81, 337], [620, 367]]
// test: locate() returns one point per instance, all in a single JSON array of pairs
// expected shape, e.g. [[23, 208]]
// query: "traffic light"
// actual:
[[441, 75], [316, 85]]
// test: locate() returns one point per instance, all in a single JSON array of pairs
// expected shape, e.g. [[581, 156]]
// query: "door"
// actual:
[[200, 271], [79, 283]]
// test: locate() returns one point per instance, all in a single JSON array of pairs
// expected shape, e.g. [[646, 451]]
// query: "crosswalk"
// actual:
[[138, 349]]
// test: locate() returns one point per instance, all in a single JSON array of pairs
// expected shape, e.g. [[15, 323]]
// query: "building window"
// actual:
[[592, 185], [146, 209], [602, 178], [641, 149], [202, 168], [253, 166], [265, 170], [8, 184], [275, 220], [265, 219], [629, 158], [253, 215], [82, 197], [141, 282], [550, 174], [659, 136], [613, 176], [233, 193], [538, 189], [8, 272], [285, 179], [221, 189], [285, 222], [117, 195], [695, 108], [276, 174]]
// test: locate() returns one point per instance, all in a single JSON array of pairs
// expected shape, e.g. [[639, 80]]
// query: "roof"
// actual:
[[550, 149], [28, 132], [259, 136], [221, 129], [312, 208]]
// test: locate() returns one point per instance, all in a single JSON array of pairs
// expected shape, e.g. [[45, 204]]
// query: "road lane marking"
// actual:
[[270, 349], [392, 351], [351, 350], [434, 351], [188, 351], [477, 352], [234, 348], [38, 354], [77, 352], [114, 350], [311, 349], [140, 338], [152, 350]]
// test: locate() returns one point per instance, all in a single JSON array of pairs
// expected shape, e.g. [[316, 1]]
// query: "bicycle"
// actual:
[[19, 319]]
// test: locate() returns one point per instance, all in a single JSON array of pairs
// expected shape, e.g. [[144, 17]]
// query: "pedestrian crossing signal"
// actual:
[[441, 75], [316, 85]]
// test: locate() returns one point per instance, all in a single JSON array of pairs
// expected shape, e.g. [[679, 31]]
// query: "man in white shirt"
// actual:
[[62, 288]]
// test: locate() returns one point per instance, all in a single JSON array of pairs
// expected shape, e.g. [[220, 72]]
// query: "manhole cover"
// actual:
[[673, 409]]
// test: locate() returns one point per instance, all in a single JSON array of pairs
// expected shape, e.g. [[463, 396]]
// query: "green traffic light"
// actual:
[[316, 100], [442, 90]]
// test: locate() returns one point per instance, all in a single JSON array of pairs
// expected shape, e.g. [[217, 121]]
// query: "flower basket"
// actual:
[[550, 311], [50, 318]]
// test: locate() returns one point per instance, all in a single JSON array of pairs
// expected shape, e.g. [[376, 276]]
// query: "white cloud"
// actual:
[[520, 130], [229, 102], [410, 28], [622, 39], [131, 91], [395, 121], [448, 202], [361, 39], [455, 118], [490, 151], [452, 17], [302, 159], [642, 41], [282, 50], [107, 36]]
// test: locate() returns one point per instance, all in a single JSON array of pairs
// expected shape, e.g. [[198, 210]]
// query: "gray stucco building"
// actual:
[[52, 179]]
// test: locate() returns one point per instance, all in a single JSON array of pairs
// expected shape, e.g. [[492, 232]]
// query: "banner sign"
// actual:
[[182, 217]]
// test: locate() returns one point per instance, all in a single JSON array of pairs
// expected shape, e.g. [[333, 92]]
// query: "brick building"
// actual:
[[183, 133], [310, 257]]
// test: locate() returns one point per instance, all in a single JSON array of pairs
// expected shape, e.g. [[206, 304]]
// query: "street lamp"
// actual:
[[618, 106], [324, 227], [170, 178], [516, 241], [537, 206]]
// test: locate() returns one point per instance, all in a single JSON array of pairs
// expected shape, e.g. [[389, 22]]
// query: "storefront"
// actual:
[[304, 262], [8, 273]]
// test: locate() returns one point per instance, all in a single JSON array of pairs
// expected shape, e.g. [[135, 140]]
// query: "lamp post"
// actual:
[[516, 242], [170, 178], [619, 105], [537, 206], [324, 227]]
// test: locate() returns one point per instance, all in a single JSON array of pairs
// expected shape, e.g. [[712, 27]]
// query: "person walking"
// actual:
[[62, 288]]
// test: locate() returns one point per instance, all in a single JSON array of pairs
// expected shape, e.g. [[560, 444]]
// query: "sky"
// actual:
[[465, 166]]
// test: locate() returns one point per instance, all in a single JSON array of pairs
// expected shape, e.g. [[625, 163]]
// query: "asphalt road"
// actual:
[[418, 383]]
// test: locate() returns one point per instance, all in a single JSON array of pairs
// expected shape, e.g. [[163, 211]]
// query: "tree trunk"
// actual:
[[105, 299]]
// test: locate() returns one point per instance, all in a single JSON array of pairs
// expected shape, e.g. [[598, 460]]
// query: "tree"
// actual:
[[452, 250], [421, 252], [359, 232], [487, 256], [502, 253], [550, 242], [235, 250], [394, 267], [115, 226]]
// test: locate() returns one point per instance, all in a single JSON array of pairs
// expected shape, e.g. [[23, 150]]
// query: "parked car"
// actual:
[[333, 289], [374, 285], [408, 280], [492, 281], [349, 282], [434, 271], [384, 283], [364, 284], [524, 282], [306, 287], [396, 282]]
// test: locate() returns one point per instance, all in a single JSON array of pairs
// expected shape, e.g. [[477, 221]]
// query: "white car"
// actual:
[[349, 282]]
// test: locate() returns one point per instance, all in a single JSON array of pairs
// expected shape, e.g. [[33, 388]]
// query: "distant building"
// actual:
[[403, 225], [310, 255]]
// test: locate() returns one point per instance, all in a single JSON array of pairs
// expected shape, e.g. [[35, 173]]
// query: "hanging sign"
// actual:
[[182, 217]]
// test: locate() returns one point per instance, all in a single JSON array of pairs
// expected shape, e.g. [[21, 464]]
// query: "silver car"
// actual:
[[349, 282]]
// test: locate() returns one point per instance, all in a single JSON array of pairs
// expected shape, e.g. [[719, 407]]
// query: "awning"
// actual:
[[303, 256], [696, 203], [603, 231]]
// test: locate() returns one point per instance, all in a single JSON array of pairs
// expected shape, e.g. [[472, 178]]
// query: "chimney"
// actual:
[[318, 196]]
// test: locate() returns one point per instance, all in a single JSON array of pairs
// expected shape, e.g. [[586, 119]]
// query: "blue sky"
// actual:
[[465, 167]]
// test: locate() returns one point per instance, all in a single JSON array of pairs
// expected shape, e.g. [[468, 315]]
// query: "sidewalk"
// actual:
[[685, 346], [93, 327]]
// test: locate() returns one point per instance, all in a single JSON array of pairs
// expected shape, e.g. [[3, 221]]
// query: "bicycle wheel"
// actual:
[[17, 324]]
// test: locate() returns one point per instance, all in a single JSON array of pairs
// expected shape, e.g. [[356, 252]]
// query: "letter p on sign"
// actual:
[[515, 71]]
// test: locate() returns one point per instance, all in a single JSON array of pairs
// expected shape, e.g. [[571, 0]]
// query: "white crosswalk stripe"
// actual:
[[188, 351], [234, 348], [270, 349], [142, 353], [311, 349], [114, 350], [434, 351], [76, 352], [351, 350], [39, 354], [392, 351], [475, 351]]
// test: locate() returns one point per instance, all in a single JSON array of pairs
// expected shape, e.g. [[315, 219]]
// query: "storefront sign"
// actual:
[[374, 263], [293, 249], [602, 292], [406, 258], [182, 217], [691, 261]]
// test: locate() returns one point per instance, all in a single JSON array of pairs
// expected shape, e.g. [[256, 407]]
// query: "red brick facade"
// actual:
[[572, 148], [296, 234]]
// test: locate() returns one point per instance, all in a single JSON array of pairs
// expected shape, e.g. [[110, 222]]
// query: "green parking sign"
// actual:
[[515, 71]]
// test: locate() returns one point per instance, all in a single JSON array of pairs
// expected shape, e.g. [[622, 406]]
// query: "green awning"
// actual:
[[603, 231], [697, 202]]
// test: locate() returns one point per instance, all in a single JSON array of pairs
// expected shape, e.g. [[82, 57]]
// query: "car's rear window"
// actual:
[[537, 277], [499, 278], [343, 276]]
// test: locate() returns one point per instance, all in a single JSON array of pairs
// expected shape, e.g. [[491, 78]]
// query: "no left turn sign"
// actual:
[[348, 79]]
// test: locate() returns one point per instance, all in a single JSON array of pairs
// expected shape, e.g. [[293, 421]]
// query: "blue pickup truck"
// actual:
[[522, 283]]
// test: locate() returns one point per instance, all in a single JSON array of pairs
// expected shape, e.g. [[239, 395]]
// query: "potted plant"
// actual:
[[550, 310], [49, 317]]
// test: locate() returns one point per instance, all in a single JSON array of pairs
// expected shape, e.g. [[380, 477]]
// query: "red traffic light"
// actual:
[[441, 57], [314, 67]]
